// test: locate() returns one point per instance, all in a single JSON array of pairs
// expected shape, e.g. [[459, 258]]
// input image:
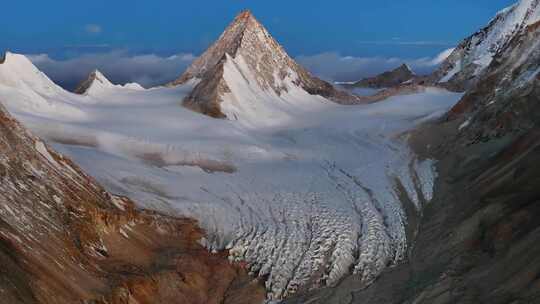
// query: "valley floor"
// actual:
[[304, 193]]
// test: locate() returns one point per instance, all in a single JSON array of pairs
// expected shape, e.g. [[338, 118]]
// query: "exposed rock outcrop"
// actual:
[[247, 39], [387, 79], [63, 239]]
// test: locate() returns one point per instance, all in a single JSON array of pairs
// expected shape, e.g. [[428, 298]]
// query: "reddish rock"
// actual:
[[63, 239]]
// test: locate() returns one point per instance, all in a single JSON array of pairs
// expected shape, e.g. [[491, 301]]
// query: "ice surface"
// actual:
[[302, 189]]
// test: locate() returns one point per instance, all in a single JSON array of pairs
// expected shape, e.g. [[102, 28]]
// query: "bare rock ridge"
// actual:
[[247, 39], [387, 79], [95, 76], [63, 239]]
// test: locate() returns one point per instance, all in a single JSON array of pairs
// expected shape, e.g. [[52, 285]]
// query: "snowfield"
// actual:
[[302, 189]]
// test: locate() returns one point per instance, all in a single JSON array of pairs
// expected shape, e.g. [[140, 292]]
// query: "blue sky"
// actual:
[[388, 28]]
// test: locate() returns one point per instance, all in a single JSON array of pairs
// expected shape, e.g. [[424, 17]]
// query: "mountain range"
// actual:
[[286, 188], [247, 51]]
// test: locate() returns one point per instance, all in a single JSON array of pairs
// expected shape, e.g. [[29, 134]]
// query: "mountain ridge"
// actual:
[[274, 70], [478, 239], [391, 78], [64, 239], [473, 55]]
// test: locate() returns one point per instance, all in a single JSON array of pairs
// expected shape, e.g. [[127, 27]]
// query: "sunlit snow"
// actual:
[[303, 189]]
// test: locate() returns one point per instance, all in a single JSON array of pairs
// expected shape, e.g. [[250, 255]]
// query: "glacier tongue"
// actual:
[[302, 189]]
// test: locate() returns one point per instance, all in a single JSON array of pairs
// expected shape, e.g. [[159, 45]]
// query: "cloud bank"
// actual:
[[152, 70], [334, 67], [119, 66]]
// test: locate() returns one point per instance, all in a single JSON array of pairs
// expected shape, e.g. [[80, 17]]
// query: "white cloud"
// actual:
[[152, 70], [119, 66], [93, 28], [334, 67]]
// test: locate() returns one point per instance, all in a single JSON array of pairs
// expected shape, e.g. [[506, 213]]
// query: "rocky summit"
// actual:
[[95, 78], [247, 45], [478, 239]]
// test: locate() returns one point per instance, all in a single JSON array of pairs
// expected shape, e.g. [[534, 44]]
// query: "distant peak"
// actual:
[[245, 19], [95, 77]]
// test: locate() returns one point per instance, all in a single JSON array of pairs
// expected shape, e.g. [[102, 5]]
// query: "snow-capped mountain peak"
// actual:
[[17, 71], [475, 54], [249, 49], [244, 29], [95, 81]]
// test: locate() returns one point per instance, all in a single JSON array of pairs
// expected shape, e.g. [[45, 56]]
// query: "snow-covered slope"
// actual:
[[470, 59], [303, 189], [248, 45], [97, 83]]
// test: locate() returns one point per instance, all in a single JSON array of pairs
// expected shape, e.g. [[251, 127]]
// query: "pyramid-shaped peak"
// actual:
[[98, 76], [244, 33], [247, 47], [93, 79], [245, 19], [405, 68]]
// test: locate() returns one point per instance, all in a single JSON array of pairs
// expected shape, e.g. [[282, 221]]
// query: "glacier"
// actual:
[[302, 189]]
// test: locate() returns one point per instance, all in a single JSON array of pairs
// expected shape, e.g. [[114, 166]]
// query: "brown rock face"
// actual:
[[63, 239], [247, 38], [387, 79]]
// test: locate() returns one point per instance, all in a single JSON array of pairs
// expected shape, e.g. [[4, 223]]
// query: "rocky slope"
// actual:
[[469, 60], [388, 79], [478, 240], [63, 239], [248, 46]]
